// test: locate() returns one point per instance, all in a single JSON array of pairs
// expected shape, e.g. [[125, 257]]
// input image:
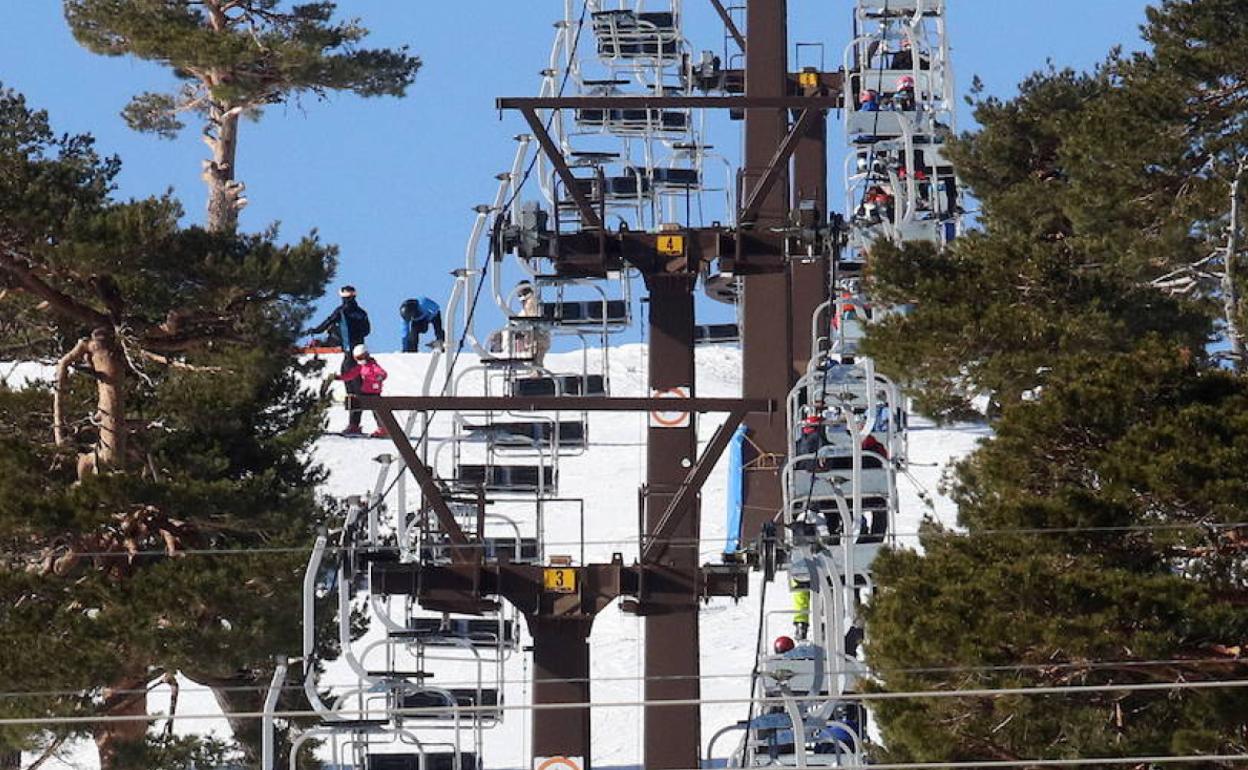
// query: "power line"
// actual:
[[433, 711], [674, 542], [1094, 665], [1028, 763]]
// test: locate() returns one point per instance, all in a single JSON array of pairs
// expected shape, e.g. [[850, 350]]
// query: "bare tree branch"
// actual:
[[24, 274], [79, 352]]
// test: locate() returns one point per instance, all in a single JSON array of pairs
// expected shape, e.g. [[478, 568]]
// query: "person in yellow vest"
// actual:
[[801, 609]]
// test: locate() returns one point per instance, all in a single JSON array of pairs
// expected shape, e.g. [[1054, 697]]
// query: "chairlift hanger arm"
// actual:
[[555, 154], [778, 161], [729, 24], [678, 506]]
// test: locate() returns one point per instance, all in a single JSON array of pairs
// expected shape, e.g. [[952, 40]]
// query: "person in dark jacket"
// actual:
[[904, 59], [809, 441], [346, 327], [419, 314]]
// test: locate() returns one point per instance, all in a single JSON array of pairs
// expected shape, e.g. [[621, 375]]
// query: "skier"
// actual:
[[419, 314], [809, 442], [535, 339], [904, 59], [903, 97], [801, 610], [877, 205], [367, 377], [346, 327], [868, 101]]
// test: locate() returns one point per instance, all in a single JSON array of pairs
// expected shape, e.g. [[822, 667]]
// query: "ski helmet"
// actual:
[[905, 81], [346, 291], [783, 644], [359, 351]]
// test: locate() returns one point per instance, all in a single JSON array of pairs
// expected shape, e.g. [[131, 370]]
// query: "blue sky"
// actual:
[[393, 182]]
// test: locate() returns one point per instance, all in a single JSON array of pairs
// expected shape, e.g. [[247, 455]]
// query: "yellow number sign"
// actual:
[[808, 79], [671, 245], [559, 580]]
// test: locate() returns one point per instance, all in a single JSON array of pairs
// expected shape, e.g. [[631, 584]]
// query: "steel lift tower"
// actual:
[[778, 245], [782, 258]]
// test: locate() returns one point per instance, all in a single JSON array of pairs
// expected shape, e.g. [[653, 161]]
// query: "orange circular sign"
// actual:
[[671, 419], [554, 762]]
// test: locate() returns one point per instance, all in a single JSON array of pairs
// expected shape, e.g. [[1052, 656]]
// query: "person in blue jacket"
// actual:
[[419, 314]]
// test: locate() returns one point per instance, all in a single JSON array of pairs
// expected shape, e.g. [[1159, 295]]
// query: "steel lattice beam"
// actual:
[[558, 404], [677, 102]]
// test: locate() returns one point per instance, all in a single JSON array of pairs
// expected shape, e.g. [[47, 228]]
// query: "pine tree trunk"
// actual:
[[10, 759], [1230, 292], [221, 135], [223, 189], [126, 697], [247, 731], [109, 364], [240, 694]]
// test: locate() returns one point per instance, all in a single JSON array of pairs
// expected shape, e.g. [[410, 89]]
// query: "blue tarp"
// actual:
[[736, 489]]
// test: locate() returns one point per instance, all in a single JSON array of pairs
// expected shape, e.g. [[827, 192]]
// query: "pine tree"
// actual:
[[1101, 538], [1144, 449], [176, 427], [1097, 190], [234, 58]]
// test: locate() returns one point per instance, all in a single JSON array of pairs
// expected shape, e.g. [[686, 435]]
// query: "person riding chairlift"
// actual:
[[903, 98], [904, 59], [877, 205], [534, 339], [809, 440]]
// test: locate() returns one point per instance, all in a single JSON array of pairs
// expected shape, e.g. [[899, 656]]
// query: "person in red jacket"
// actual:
[[371, 376]]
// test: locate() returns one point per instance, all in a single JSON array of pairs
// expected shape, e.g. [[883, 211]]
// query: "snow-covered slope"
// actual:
[[607, 478]]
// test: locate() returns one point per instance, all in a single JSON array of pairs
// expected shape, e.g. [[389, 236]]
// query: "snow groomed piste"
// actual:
[[626, 182]]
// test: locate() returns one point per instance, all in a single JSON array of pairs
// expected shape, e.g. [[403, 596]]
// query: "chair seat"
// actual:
[[506, 478], [560, 385], [433, 760], [530, 434], [712, 333], [479, 632], [585, 312]]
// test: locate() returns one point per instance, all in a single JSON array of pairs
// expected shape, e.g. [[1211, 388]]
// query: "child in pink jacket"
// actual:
[[365, 378]]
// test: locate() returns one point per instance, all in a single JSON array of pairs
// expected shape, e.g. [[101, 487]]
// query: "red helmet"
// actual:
[[905, 81], [783, 644]]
